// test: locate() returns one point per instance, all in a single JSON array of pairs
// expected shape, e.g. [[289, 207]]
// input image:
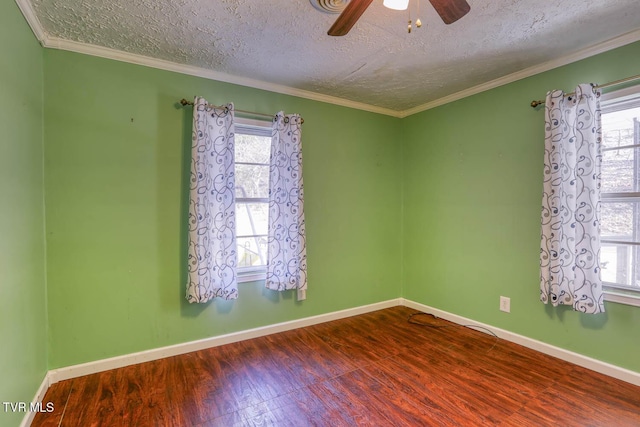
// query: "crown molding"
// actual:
[[614, 43], [103, 52], [57, 43], [32, 19], [117, 55]]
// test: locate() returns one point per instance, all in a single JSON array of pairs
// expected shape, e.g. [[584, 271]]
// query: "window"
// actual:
[[620, 208], [253, 146]]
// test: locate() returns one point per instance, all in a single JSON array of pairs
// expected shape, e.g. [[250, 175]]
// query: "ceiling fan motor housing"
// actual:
[[329, 6]]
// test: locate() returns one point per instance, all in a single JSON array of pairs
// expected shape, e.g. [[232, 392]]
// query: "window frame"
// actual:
[[261, 128], [619, 293]]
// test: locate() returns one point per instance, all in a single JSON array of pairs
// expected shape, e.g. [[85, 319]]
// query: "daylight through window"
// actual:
[[620, 208], [252, 145]]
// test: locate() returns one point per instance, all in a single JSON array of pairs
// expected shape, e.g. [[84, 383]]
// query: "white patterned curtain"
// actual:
[[212, 258], [287, 250], [570, 241]]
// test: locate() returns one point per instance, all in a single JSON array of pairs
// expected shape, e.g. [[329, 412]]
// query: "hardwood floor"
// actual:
[[375, 369]]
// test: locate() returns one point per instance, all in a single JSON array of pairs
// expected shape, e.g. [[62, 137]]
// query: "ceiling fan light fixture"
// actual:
[[396, 4]]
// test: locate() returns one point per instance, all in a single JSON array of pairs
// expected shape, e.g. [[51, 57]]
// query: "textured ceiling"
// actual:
[[378, 63]]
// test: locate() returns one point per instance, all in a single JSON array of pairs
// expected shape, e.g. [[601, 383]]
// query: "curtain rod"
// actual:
[[184, 103], [534, 103]]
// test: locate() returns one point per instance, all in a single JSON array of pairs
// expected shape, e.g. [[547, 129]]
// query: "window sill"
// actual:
[[251, 276], [621, 297]]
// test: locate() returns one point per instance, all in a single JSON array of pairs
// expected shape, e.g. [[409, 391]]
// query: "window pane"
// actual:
[[617, 127], [618, 171], [252, 251], [620, 216], [252, 181], [617, 219], [252, 148], [251, 218], [620, 264]]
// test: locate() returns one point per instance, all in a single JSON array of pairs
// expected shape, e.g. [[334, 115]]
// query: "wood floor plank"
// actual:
[[318, 361], [309, 408], [507, 393], [57, 396], [436, 392], [353, 340], [269, 414], [582, 409], [413, 393], [376, 369], [339, 398], [394, 407], [617, 394], [313, 346]]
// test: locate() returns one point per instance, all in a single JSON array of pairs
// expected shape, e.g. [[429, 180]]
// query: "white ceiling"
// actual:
[[284, 43]]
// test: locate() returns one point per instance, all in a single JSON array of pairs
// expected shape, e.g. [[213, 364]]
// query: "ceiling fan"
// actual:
[[449, 10]]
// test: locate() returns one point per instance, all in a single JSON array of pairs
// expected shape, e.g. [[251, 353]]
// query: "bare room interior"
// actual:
[[423, 197]]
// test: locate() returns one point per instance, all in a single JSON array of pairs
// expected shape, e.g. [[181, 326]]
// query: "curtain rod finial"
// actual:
[[534, 103]]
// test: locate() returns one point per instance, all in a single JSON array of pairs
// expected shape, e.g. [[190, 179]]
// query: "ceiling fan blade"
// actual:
[[451, 10], [349, 17]]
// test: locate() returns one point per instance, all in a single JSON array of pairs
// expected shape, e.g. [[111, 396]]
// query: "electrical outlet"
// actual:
[[302, 294], [505, 304]]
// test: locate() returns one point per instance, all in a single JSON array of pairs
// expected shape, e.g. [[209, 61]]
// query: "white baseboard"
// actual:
[[74, 371], [569, 356], [39, 397]]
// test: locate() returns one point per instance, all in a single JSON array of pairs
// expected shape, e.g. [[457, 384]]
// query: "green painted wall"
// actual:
[[116, 165], [23, 357], [472, 196], [441, 208]]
